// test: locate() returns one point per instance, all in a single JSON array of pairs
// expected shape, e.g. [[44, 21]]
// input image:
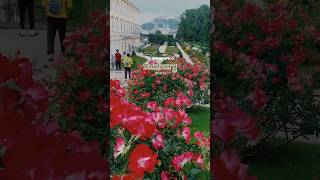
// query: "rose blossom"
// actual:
[[119, 147], [152, 105], [180, 160], [198, 159], [142, 159], [158, 141], [186, 133], [165, 175]]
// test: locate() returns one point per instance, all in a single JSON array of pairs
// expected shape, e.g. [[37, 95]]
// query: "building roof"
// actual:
[[132, 5]]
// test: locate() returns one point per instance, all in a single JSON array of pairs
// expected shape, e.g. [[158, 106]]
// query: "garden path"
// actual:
[[147, 45], [118, 75], [142, 55], [184, 54], [163, 48]]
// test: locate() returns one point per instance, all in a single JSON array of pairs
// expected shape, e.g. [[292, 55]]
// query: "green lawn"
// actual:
[[137, 60], [171, 50], [298, 161], [200, 122], [200, 119], [152, 50]]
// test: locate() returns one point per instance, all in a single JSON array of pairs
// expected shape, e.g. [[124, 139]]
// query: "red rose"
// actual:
[[142, 159], [158, 141], [179, 161], [123, 177]]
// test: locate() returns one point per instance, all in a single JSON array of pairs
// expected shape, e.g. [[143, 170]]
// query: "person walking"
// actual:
[[23, 6], [127, 62], [113, 61], [118, 60], [57, 16]]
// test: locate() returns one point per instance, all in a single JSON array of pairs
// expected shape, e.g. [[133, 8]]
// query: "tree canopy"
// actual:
[[159, 38], [195, 25]]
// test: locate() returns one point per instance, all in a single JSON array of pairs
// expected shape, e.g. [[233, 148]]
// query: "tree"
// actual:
[[195, 25], [158, 32], [151, 38], [171, 41], [159, 38]]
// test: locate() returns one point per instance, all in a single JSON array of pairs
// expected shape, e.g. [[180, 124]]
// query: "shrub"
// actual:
[[81, 85], [261, 87], [268, 60]]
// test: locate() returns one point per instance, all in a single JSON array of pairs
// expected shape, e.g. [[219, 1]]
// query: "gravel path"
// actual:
[[163, 48], [184, 54]]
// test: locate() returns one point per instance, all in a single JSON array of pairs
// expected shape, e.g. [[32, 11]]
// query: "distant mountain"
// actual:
[[174, 23], [148, 26], [161, 22]]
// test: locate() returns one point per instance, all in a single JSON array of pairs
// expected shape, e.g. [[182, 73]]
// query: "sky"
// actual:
[[168, 8]]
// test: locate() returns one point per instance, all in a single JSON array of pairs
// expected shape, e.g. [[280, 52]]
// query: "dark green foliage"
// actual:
[[82, 9], [159, 38], [297, 161], [195, 25]]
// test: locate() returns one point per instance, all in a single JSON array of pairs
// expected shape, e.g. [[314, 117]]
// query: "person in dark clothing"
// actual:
[[57, 17], [23, 6], [118, 60], [53, 25]]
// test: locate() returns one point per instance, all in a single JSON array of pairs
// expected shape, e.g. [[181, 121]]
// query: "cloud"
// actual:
[[153, 8]]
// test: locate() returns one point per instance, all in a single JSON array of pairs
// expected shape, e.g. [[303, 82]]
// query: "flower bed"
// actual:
[[33, 148], [266, 74], [80, 90], [190, 81], [154, 143], [276, 65]]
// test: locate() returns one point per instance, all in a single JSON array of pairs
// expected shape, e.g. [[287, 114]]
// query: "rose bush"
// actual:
[[190, 80], [80, 91], [32, 148], [266, 75], [154, 143], [268, 59]]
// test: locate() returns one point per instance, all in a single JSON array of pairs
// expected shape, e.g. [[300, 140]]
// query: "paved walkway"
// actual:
[[118, 75], [163, 48], [147, 45], [184, 54], [142, 55], [34, 48]]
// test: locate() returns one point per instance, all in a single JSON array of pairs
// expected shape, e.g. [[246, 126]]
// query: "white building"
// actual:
[[124, 27]]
